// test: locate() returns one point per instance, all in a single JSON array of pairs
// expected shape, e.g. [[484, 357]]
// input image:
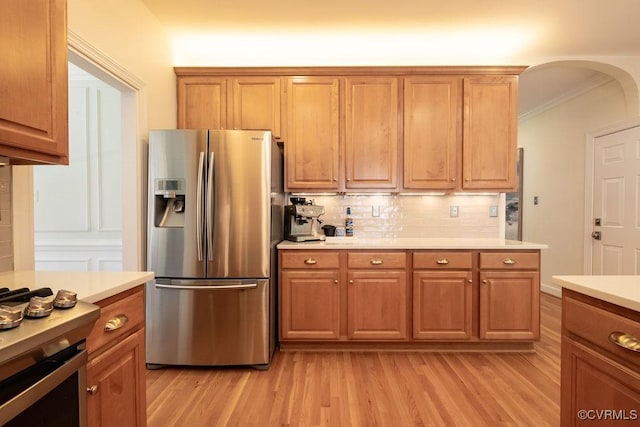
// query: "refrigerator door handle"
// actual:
[[210, 204], [209, 288], [199, 223]]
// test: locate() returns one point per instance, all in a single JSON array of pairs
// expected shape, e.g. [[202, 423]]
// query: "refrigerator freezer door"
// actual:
[[177, 165], [208, 322], [239, 204]]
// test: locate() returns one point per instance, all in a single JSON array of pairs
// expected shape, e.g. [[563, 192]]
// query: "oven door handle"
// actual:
[[31, 395]]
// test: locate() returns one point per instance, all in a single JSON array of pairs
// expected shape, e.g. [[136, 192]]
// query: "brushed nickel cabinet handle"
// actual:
[[335, 281], [351, 282], [509, 261], [625, 341], [310, 261], [116, 323], [469, 280], [485, 281], [442, 261], [92, 389], [453, 179], [376, 261]]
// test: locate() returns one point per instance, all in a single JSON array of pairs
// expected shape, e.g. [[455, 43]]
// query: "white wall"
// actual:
[[554, 160]]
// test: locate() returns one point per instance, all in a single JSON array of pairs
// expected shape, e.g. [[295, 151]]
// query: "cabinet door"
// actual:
[[312, 138], [310, 304], [490, 122], [594, 382], [509, 305], [118, 374], [371, 140], [33, 81], [442, 305], [432, 132], [377, 305], [255, 103], [202, 102]]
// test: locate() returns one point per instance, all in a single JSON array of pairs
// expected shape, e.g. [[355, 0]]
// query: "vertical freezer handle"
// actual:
[[210, 204], [199, 197]]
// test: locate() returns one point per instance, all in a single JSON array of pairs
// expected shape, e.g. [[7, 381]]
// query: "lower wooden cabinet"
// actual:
[[377, 305], [310, 305], [600, 380], [425, 297], [509, 296], [116, 387], [118, 398]]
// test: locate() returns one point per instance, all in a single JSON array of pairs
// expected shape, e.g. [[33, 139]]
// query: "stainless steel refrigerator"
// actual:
[[215, 204]]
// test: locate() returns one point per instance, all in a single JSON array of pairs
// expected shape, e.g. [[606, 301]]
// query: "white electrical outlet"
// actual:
[[493, 211], [453, 211], [375, 210]]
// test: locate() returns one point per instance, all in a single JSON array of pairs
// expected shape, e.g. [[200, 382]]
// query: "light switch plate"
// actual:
[[375, 210], [493, 211], [453, 211]]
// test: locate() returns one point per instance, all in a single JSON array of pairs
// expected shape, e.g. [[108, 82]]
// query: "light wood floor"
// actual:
[[370, 389]]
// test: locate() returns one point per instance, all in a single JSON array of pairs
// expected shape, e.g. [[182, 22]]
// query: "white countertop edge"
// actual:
[[619, 290], [91, 287], [411, 243]]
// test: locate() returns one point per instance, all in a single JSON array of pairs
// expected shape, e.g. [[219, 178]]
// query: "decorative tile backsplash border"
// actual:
[[414, 215]]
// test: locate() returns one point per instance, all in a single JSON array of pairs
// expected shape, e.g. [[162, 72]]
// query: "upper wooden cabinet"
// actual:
[[490, 122], [369, 128], [33, 82], [312, 133], [202, 102], [432, 132], [219, 102]]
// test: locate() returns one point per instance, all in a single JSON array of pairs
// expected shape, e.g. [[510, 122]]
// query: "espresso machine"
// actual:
[[300, 220]]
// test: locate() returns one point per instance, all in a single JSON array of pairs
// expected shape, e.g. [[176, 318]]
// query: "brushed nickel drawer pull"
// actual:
[[485, 281], [116, 323], [509, 261], [625, 341], [442, 261], [376, 261], [310, 261], [92, 390]]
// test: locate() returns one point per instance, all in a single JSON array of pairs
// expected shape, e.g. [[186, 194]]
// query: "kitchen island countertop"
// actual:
[[620, 290], [90, 286], [411, 243]]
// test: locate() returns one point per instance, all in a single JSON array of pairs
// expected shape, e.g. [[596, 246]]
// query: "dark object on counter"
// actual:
[[329, 230], [298, 200]]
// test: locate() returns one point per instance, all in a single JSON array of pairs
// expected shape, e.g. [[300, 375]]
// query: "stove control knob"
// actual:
[[92, 390]]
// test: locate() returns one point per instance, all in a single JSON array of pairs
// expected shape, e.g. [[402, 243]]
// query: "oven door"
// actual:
[[52, 392]]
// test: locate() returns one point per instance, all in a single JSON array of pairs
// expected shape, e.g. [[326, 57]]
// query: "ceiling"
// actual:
[[412, 32]]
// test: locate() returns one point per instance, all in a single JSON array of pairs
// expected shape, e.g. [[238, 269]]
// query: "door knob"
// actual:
[[596, 235]]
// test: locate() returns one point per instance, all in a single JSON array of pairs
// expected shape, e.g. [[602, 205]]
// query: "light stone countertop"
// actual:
[[620, 290], [411, 243], [90, 286]]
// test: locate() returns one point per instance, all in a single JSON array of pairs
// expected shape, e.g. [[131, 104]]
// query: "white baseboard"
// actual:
[[551, 290]]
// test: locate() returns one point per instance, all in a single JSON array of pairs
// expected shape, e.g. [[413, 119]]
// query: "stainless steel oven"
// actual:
[[52, 392], [43, 359]]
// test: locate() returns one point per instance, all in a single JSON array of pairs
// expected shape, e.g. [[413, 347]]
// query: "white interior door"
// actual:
[[616, 203]]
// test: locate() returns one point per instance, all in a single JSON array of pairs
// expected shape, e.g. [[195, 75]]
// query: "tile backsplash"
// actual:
[[6, 229], [414, 215]]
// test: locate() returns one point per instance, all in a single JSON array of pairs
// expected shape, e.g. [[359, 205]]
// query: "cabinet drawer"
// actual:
[[443, 260], [509, 260], [595, 325], [296, 259], [377, 260], [132, 307]]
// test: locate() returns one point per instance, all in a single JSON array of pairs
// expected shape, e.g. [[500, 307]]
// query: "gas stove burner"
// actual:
[[65, 299], [39, 307], [10, 317]]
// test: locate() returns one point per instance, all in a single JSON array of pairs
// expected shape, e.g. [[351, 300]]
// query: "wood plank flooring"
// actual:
[[370, 389]]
